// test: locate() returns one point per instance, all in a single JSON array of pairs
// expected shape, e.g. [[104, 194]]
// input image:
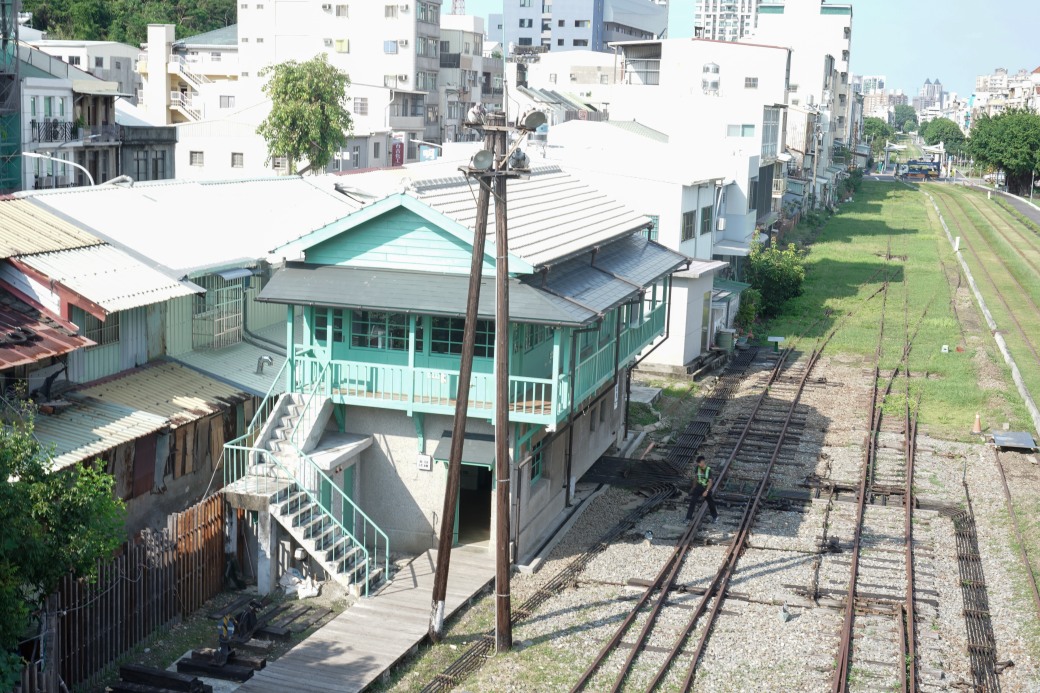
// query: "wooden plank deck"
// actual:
[[356, 647]]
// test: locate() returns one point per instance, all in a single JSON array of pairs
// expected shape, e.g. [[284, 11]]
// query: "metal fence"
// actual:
[[168, 574]]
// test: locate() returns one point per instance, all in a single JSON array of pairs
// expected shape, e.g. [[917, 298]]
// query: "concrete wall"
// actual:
[[406, 501]]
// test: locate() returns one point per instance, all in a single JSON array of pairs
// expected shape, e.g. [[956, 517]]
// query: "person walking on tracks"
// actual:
[[702, 485]]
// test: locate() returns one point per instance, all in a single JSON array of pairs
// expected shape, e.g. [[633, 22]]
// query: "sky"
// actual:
[[909, 41]]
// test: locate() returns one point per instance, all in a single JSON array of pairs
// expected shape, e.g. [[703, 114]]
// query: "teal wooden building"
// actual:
[[350, 461]]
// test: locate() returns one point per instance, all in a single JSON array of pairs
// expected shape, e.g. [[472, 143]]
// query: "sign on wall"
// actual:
[[425, 462]]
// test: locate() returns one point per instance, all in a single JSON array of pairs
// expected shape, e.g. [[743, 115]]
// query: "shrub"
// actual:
[[776, 273]]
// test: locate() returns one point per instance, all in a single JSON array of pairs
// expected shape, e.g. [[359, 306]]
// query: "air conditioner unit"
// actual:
[[404, 8], [403, 43], [327, 7], [328, 43], [402, 78]]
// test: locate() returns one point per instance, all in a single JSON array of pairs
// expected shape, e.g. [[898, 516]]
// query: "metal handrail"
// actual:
[[319, 379], [283, 473], [345, 500]]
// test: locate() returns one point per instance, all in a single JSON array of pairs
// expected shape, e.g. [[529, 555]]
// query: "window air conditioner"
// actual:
[[402, 78], [328, 43], [404, 8], [327, 7], [403, 43]]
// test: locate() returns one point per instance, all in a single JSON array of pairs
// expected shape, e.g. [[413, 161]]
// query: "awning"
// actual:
[[768, 220], [823, 181], [784, 157], [731, 248], [477, 448], [236, 273]]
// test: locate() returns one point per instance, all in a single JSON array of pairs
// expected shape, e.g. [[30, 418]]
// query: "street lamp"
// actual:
[[37, 155]]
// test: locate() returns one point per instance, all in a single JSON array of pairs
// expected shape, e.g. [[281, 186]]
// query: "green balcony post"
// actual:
[[556, 375], [410, 387], [290, 372]]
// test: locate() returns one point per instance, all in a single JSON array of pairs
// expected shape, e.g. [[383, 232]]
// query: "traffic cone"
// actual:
[[976, 430]]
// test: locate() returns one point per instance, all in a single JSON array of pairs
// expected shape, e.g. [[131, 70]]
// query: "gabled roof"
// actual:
[[25, 229], [574, 292], [380, 207]]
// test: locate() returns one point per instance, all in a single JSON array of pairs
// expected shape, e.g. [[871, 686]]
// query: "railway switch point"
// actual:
[[976, 429]]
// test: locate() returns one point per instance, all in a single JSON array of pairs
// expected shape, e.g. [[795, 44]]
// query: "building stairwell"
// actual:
[[276, 474]]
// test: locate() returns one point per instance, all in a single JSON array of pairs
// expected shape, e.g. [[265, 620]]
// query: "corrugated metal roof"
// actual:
[[232, 223], [25, 228], [552, 215], [170, 390], [585, 285], [109, 277], [28, 335], [413, 292], [90, 428]]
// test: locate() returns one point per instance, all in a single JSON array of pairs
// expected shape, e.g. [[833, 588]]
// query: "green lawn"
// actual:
[[847, 263]]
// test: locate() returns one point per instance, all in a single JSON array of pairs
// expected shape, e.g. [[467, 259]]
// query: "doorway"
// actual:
[[473, 518]]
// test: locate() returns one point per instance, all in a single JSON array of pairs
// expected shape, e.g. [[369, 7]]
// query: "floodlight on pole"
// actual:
[[37, 155]]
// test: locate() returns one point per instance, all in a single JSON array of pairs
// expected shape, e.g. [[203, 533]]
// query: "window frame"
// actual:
[[689, 226]]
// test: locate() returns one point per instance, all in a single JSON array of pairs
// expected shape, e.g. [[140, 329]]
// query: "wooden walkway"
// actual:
[[356, 647]]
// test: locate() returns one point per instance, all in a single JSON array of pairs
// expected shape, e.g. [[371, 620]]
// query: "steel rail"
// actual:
[[718, 585], [841, 671], [671, 566], [1018, 534]]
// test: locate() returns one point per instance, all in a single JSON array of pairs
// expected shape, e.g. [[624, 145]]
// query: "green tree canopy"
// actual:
[[946, 131], [54, 524], [1010, 141], [877, 132], [777, 273], [127, 20], [309, 120], [904, 118]]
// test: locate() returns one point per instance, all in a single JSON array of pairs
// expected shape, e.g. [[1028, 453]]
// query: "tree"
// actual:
[[776, 273], [904, 118], [126, 20], [1009, 141], [54, 524], [946, 131], [878, 133], [309, 119]]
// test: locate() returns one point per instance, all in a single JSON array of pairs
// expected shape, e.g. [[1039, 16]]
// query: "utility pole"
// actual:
[[458, 430], [503, 473]]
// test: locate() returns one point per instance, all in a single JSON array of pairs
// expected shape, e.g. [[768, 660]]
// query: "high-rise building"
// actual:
[[874, 84], [725, 20]]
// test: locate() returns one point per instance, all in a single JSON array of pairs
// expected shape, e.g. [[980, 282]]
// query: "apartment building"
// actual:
[[819, 35]]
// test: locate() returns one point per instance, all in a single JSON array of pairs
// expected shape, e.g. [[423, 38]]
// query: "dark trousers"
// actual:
[[695, 497]]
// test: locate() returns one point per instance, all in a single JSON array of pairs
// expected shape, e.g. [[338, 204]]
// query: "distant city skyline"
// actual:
[[950, 40]]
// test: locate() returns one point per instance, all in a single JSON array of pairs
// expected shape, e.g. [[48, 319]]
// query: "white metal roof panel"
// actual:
[[195, 226], [89, 428], [25, 228], [237, 364], [109, 277]]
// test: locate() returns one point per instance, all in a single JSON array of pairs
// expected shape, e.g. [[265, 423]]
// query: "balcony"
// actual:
[[779, 187], [53, 130], [539, 400]]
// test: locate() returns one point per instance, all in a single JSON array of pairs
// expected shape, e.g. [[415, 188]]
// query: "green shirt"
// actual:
[[703, 476]]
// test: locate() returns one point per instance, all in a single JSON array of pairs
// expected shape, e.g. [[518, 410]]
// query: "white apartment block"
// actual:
[[725, 20], [467, 75], [873, 84], [819, 35]]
